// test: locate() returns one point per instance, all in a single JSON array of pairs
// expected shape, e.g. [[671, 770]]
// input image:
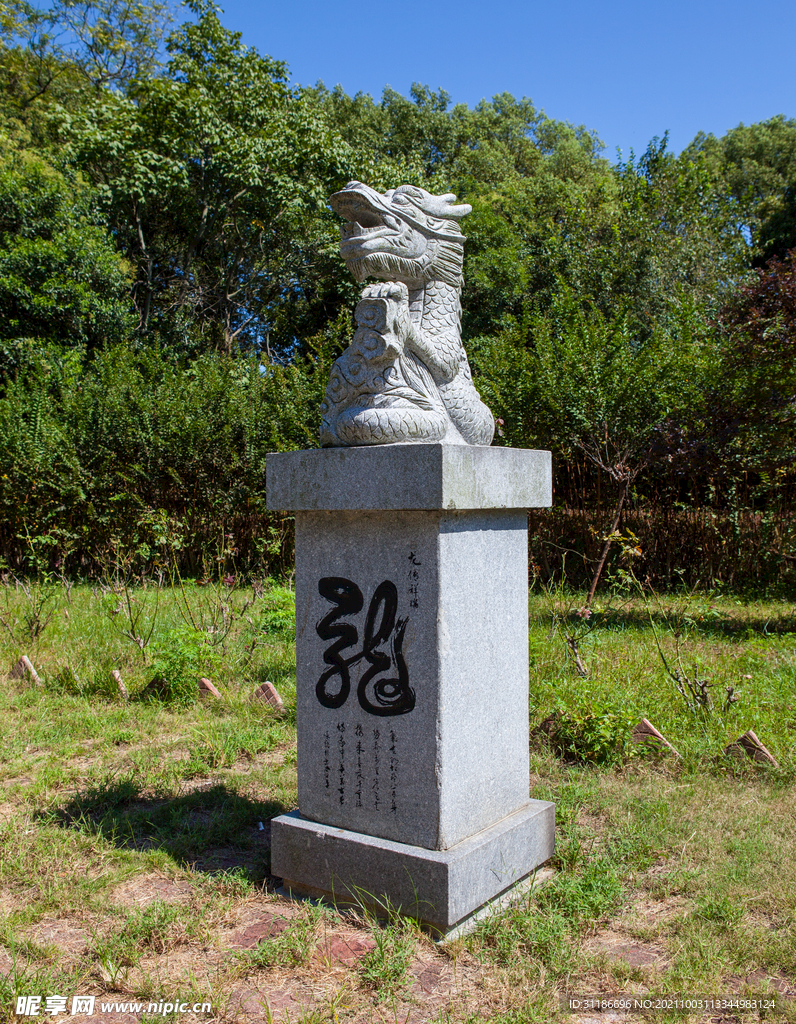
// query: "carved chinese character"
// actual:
[[376, 694]]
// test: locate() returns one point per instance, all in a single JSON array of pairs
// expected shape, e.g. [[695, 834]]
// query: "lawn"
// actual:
[[134, 833]]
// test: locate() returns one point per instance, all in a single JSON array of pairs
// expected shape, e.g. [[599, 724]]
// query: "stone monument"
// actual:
[[411, 598]]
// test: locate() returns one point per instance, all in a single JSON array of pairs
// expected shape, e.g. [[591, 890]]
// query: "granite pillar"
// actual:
[[412, 676]]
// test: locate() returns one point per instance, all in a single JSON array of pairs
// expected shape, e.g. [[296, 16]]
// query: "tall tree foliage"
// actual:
[[758, 398], [756, 165], [62, 282], [62, 55], [212, 174]]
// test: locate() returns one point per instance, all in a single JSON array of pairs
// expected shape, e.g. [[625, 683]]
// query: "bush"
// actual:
[[599, 733], [136, 457]]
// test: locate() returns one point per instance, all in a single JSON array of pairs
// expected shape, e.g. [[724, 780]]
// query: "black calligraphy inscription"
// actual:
[[414, 576], [358, 792], [376, 735], [377, 696], [341, 746], [326, 768], [391, 696], [347, 597], [393, 772]]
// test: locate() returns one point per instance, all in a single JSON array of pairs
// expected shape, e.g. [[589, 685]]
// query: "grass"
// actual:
[[134, 856], [292, 947], [745, 647]]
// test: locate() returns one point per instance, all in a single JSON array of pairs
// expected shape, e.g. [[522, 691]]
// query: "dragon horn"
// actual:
[[443, 206]]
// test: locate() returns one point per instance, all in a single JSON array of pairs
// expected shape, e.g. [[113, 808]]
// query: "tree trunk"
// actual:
[[623, 487]]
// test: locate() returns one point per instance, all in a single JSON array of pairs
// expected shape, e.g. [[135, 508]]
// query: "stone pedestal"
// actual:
[[412, 675]]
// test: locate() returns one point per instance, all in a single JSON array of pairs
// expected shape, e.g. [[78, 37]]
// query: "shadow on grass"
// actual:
[[718, 626], [211, 830]]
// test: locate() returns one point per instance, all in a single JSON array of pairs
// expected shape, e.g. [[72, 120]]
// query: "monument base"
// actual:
[[442, 889]]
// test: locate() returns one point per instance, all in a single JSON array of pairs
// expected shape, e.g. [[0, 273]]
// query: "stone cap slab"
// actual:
[[409, 476]]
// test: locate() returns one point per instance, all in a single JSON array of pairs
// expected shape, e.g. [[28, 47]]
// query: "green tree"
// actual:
[[101, 42], [62, 283], [534, 185], [645, 233], [214, 174], [758, 397], [588, 384], [756, 164]]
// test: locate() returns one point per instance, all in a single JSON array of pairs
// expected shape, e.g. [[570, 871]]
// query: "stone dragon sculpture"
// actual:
[[405, 377]]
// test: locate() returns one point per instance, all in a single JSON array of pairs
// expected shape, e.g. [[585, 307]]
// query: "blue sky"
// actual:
[[629, 70]]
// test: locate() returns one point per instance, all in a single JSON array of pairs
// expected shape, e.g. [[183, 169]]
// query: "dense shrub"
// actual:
[[136, 457]]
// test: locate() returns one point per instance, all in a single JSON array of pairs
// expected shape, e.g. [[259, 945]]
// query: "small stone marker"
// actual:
[[117, 678], [646, 733], [156, 687], [269, 693], [24, 670], [206, 689], [750, 745], [268, 927]]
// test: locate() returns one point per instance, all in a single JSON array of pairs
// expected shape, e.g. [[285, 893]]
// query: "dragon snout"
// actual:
[[356, 204]]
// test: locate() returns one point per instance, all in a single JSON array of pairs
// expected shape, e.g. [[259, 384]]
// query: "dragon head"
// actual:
[[405, 234]]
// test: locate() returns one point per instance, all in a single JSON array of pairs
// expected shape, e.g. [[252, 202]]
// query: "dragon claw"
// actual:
[[395, 290]]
